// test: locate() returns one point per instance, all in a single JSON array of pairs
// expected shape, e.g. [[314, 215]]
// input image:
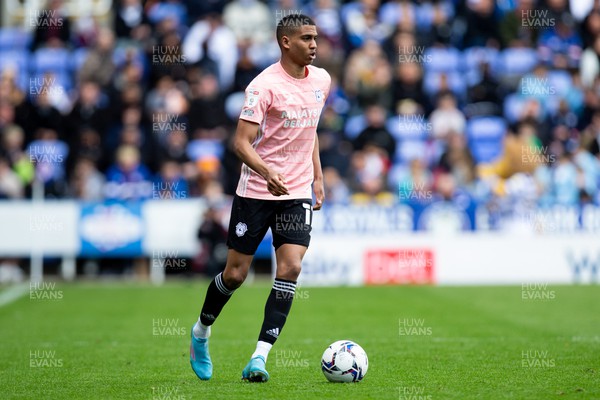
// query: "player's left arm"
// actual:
[[318, 187]]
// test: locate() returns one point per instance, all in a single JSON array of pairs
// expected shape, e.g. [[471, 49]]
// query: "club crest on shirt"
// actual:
[[319, 95], [251, 97]]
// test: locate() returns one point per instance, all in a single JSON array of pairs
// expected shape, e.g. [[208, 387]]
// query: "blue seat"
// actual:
[[485, 136], [513, 105], [409, 127], [407, 150], [560, 81], [14, 39], [517, 61], [485, 152], [16, 59], [200, 148], [54, 60], [60, 79], [354, 126], [442, 59]]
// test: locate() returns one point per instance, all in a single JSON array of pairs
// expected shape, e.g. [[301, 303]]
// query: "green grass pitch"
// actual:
[[130, 341]]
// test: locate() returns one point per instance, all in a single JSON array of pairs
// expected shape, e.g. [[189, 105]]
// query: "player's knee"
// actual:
[[290, 270], [234, 277]]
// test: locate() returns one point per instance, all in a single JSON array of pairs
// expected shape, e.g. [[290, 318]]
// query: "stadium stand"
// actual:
[[166, 109]]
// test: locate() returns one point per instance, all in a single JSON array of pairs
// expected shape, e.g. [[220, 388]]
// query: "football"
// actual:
[[344, 361]]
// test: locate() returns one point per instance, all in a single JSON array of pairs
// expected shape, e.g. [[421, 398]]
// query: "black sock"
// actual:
[[217, 295], [277, 309]]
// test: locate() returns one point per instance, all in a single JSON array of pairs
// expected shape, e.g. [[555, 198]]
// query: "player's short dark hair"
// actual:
[[290, 23]]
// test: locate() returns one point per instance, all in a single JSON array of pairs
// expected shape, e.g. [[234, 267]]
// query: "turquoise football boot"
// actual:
[[255, 370], [199, 358]]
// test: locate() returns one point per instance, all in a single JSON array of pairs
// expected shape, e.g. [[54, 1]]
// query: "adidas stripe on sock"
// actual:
[[277, 309], [217, 295], [221, 286]]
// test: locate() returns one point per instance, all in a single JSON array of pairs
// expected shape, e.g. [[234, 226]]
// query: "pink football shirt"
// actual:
[[287, 111]]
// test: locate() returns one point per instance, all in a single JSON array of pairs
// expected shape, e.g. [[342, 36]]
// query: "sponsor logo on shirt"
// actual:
[[251, 97], [304, 118]]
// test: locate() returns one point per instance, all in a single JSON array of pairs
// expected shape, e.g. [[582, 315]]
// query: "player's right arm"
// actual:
[[245, 135]]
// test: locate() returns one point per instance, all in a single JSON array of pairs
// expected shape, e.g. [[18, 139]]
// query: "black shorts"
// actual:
[[289, 220]]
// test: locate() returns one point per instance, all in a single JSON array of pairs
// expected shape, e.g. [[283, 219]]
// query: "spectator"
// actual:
[[13, 142], [415, 183], [246, 68], [130, 20], [250, 20], [168, 9], [369, 170], [567, 181], [522, 153], [361, 23], [52, 28], [88, 145], [98, 66], [42, 114], [174, 147], [128, 179], [536, 85], [589, 167], [9, 91], [11, 187], [326, 16], [446, 118], [515, 30], [591, 26], [482, 27], [458, 160], [212, 234], [368, 73], [376, 134], [207, 175], [207, 108], [168, 58], [487, 89], [87, 182], [167, 98], [590, 63], [49, 155], [561, 45], [212, 46], [89, 111], [336, 190], [591, 135], [408, 85], [132, 135], [400, 15], [170, 183]]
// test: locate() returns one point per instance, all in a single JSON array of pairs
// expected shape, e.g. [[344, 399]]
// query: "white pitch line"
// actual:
[[13, 293]]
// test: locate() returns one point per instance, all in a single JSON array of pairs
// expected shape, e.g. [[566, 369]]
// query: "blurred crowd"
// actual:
[[498, 101]]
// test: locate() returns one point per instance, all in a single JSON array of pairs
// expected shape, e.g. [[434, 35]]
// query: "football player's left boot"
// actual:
[[199, 358], [255, 370]]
